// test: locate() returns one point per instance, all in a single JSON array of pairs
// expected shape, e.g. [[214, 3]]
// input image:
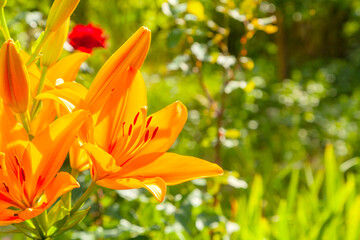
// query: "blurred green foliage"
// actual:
[[282, 76]]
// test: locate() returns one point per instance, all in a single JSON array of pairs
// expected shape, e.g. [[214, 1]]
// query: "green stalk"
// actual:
[[38, 227], [36, 102], [75, 173], [3, 25], [66, 198], [83, 198], [43, 220], [21, 230], [38, 48], [26, 121]]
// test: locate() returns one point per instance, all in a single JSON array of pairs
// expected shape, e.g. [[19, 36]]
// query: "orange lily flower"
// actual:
[[130, 150], [117, 72], [29, 178]]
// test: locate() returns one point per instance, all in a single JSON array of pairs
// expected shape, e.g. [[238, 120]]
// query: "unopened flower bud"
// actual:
[[2, 3], [14, 78], [60, 11], [54, 45]]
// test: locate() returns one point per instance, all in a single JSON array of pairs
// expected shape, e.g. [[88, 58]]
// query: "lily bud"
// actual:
[[54, 45], [60, 11], [2, 3], [14, 78]]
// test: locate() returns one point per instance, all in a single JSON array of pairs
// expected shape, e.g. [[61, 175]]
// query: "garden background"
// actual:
[[273, 94]]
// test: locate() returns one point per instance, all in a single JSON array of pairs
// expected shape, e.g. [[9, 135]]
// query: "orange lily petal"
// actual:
[[47, 151], [171, 167], [43, 118], [68, 67], [68, 95], [102, 163], [13, 137], [154, 185], [61, 184], [169, 122], [3, 204], [116, 111], [7, 217], [79, 159], [120, 69], [34, 74]]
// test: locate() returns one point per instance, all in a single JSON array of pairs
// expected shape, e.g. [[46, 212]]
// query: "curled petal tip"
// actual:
[[180, 108], [145, 33], [9, 41], [145, 29], [219, 170], [142, 44]]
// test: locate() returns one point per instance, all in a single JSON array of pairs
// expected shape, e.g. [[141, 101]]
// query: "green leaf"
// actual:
[[56, 212], [283, 224], [255, 199], [17, 45], [174, 37], [37, 42], [72, 221], [293, 189], [57, 225], [28, 230], [331, 174], [9, 229]]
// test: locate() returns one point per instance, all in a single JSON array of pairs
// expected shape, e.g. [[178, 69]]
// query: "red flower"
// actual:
[[85, 38]]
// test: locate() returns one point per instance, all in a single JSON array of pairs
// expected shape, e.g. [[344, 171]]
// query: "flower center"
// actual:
[[134, 137]]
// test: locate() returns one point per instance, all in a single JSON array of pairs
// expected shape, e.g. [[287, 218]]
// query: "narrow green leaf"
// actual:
[[8, 229], [331, 173], [37, 42], [255, 200], [28, 230], [72, 221], [293, 189], [57, 225]]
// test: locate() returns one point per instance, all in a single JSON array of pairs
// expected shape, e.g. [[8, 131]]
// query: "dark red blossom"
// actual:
[[85, 38]]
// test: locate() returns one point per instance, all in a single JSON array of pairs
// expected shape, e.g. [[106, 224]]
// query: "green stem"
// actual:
[[83, 198], [38, 48], [36, 102], [38, 228], [74, 173], [26, 121], [3, 25], [21, 230], [43, 220], [66, 198]]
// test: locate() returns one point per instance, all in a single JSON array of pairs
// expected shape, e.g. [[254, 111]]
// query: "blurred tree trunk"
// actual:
[[281, 46], [81, 13]]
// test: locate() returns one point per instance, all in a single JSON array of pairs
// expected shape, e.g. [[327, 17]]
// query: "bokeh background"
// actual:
[[273, 93]]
